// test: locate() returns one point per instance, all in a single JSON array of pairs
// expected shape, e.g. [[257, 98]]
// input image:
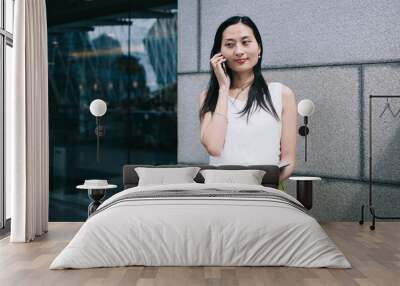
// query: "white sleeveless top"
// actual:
[[255, 143]]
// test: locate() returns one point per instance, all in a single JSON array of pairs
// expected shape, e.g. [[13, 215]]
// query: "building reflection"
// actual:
[[133, 68]]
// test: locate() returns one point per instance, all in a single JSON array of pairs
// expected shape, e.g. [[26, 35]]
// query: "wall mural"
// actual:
[[129, 63]]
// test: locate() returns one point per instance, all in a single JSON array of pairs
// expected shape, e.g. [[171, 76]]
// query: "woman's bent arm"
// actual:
[[213, 126], [288, 136]]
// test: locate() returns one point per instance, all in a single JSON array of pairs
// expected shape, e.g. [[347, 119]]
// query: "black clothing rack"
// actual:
[[370, 203]]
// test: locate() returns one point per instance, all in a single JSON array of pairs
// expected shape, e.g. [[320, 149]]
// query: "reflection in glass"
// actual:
[[129, 63]]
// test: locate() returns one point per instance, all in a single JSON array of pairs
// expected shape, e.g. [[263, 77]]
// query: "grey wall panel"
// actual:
[[312, 32], [190, 149], [333, 142], [383, 80], [187, 35], [327, 52], [336, 200]]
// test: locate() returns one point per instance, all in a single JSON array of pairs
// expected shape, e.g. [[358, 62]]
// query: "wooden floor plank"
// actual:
[[374, 255]]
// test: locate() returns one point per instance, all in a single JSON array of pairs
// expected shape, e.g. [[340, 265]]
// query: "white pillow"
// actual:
[[249, 177], [163, 176]]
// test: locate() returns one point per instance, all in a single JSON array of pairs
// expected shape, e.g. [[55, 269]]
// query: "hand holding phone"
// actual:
[[219, 67]]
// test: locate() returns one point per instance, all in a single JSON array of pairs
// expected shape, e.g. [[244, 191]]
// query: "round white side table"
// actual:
[[96, 194]]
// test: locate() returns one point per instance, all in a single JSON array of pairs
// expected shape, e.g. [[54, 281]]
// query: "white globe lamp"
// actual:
[[98, 108], [305, 108]]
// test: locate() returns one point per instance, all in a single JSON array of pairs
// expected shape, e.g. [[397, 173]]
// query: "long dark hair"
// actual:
[[258, 92]]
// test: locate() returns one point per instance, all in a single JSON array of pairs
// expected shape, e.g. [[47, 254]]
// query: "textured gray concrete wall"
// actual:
[[335, 53]]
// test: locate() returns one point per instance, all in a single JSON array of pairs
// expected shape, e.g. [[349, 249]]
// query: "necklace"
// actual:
[[243, 88]]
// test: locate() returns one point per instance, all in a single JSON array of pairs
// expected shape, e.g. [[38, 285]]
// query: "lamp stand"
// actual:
[[303, 131], [99, 131]]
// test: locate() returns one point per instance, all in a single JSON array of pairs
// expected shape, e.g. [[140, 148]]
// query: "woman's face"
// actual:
[[239, 47]]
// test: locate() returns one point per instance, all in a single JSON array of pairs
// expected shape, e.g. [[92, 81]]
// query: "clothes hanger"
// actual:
[[387, 106]]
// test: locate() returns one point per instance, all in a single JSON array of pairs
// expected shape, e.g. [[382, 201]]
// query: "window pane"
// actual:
[[8, 87], [130, 63], [9, 15]]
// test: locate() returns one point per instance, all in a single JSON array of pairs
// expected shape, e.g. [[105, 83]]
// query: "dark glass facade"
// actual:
[[130, 63]]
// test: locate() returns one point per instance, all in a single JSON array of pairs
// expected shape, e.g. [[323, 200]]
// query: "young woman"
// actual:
[[244, 120]]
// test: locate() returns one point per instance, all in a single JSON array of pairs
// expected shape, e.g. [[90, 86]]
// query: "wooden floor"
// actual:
[[374, 255]]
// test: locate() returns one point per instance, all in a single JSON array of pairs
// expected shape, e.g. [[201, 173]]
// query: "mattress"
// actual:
[[201, 225]]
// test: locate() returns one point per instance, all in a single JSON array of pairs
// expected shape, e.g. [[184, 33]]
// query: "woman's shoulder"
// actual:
[[276, 83], [286, 91], [288, 98], [273, 83]]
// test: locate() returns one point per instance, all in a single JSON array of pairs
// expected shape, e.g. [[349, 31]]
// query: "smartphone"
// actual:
[[224, 68]]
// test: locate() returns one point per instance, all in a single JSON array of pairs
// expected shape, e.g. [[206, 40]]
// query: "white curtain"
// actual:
[[27, 124]]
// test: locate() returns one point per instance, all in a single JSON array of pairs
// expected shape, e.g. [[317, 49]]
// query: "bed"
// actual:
[[201, 224]]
